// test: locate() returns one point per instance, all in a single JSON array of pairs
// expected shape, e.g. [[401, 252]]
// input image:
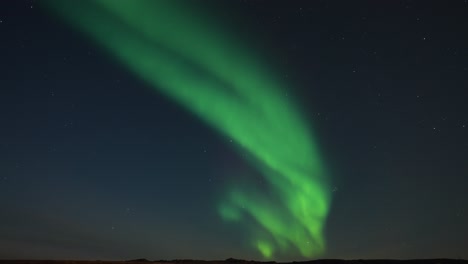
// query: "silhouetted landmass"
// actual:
[[240, 261]]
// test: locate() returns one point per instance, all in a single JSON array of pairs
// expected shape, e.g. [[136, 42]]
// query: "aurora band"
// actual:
[[188, 58]]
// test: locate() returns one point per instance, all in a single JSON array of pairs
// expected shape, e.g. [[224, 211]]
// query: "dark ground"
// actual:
[[229, 261]]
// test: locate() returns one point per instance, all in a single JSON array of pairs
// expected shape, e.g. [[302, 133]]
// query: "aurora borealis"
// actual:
[[190, 61], [265, 130]]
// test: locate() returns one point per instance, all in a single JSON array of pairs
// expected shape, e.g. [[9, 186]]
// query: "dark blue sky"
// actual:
[[95, 165]]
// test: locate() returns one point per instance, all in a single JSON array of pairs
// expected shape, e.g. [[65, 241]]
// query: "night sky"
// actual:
[[356, 110]]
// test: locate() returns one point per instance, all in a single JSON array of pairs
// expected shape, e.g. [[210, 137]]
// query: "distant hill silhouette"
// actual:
[[233, 261]]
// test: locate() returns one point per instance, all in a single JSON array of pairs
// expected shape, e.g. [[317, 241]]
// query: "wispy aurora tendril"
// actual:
[[188, 59]]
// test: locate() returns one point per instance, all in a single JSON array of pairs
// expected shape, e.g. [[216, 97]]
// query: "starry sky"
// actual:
[[97, 162]]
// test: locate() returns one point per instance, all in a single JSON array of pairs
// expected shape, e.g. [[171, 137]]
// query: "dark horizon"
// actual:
[[233, 260]]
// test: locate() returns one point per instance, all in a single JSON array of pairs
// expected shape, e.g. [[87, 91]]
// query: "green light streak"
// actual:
[[188, 59], [265, 249]]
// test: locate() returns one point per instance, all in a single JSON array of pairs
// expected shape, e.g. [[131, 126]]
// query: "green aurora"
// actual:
[[188, 58]]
